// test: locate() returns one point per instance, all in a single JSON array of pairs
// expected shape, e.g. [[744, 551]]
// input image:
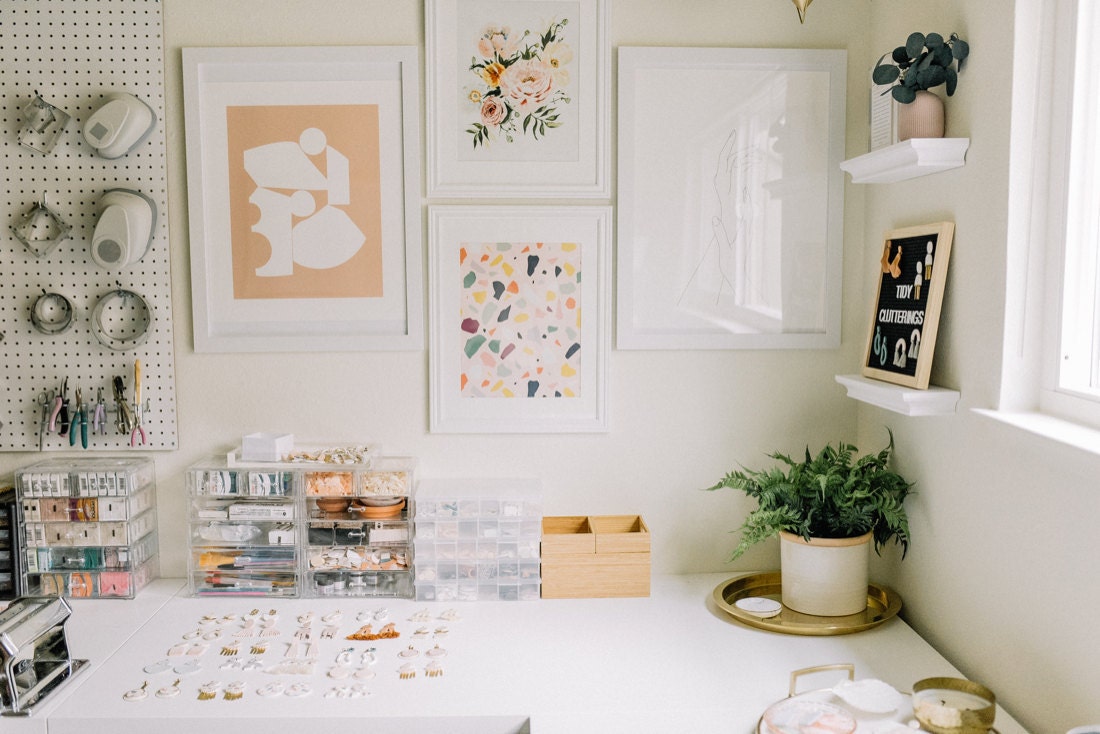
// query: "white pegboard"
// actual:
[[73, 53]]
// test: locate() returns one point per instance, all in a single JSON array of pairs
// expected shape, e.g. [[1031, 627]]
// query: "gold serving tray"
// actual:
[[882, 604]]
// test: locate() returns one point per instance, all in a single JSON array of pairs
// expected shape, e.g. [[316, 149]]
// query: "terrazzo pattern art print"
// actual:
[[521, 320]]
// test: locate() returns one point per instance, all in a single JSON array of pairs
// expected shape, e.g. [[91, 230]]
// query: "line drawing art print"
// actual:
[[730, 213]]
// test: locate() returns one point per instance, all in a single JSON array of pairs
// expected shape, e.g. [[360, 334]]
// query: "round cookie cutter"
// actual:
[[122, 320], [52, 314]]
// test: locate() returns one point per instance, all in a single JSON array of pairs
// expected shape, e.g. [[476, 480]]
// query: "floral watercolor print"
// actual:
[[520, 320], [518, 76]]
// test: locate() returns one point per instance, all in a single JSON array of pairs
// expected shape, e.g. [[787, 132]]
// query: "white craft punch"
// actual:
[[119, 125]]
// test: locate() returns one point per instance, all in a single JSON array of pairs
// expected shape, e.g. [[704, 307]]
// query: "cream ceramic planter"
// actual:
[[827, 576]]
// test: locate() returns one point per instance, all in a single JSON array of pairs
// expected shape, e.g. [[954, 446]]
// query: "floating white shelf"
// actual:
[[907, 159], [904, 400]]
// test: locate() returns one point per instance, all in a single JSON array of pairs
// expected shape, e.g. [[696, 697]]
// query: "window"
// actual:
[[1051, 361]]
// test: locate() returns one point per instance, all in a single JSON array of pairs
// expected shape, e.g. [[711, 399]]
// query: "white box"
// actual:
[[266, 446]]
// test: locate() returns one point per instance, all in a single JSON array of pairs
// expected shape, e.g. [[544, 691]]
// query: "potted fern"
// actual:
[[827, 510]]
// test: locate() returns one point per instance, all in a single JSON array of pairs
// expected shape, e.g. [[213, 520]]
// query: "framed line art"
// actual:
[[911, 277], [303, 192], [517, 96], [520, 318], [730, 208]]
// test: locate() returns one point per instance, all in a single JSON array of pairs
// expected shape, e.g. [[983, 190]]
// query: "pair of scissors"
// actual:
[[80, 417], [125, 420], [138, 408]]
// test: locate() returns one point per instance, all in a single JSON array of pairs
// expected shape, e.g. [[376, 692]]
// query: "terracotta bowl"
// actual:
[[332, 504]]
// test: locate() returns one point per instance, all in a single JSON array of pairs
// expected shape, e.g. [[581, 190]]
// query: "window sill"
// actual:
[[1056, 429]]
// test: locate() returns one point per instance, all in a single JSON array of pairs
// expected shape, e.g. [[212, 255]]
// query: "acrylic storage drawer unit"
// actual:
[[88, 527], [243, 530], [10, 578], [357, 529], [477, 540]]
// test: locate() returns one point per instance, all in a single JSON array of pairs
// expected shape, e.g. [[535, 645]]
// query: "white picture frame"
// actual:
[[355, 178], [730, 208], [543, 136], [519, 295]]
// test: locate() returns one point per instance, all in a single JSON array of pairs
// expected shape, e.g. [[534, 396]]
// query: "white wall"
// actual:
[[998, 578]]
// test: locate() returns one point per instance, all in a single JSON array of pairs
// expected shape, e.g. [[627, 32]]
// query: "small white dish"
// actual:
[[870, 695], [759, 606]]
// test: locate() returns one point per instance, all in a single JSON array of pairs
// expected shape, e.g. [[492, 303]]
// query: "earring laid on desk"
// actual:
[[434, 669], [408, 652], [234, 691], [136, 694], [169, 691], [209, 691], [436, 652], [271, 689], [406, 671]]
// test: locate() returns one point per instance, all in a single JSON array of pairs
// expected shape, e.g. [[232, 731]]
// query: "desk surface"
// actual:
[[669, 662]]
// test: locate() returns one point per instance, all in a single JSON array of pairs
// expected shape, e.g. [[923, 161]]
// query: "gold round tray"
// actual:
[[882, 604]]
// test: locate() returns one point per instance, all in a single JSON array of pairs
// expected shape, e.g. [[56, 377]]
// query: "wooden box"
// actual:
[[595, 556]]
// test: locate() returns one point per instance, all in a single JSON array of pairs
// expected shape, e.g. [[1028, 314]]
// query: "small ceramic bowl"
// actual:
[[332, 504]]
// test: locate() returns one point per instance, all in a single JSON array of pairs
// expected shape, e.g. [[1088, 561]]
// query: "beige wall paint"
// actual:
[[996, 578], [999, 577]]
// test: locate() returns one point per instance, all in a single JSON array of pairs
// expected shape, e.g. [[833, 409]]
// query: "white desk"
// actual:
[[667, 663]]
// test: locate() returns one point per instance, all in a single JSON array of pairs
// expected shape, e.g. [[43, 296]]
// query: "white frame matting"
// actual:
[[570, 159], [730, 208], [382, 76], [453, 229]]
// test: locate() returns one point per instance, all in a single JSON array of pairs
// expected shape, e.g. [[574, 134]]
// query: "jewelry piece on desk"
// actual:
[[306, 618], [434, 669], [187, 666], [231, 650], [436, 652], [421, 633], [252, 664], [136, 694], [363, 616], [381, 615], [228, 618], [158, 667], [209, 691], [359, 690], [368, 657], [193, 634], [333, 618], [408, 652], [271, 689], [329, 633], [207, 619], [366, 632], [213, 634], [234, 691], [247, 630], [169, 691], [299, 689], [364, 674], [272, 616], [388, 632], [198, 649], [441, 632], [258, 648], [422, 616], [339, 672], [406, 671], [231, 664], [178, 649], [304, 633], [344, 658], [451, 615], [291, 650]]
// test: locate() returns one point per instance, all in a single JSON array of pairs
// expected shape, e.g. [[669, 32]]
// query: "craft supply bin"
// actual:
[[477, 540], [357, 531], [243, 530], [595, 556], [88, 527]]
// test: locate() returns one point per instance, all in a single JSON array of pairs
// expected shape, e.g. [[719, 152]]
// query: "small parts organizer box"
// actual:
[[597, 556], [287, 529], [477, 540], [88, 527]]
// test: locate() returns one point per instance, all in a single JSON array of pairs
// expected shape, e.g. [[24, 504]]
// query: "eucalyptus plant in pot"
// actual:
[[827, 510], [924, 62]]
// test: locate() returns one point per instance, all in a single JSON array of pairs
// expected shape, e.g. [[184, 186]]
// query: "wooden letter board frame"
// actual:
[[906, 315]]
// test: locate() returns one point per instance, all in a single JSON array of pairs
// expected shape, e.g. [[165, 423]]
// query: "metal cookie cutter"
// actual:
[[52, 314], [121, 320], [42, 125], [40, 229]]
